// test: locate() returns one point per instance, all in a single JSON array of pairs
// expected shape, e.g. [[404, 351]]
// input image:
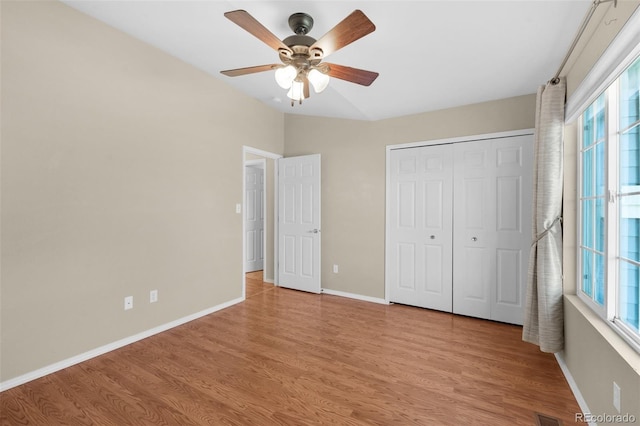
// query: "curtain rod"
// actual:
[[583, 26]]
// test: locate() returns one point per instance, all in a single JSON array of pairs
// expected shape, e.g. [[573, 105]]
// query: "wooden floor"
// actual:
[[287, 357]]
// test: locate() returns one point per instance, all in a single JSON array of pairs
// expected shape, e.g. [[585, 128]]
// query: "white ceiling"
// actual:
[[430, 54]]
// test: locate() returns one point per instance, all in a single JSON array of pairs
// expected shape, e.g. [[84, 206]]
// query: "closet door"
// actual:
[[420, 237], [514, 205], [473, 239], [492, 227]]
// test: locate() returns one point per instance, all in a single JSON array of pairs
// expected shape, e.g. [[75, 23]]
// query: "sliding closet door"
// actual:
[[420, 237], [492, 226]]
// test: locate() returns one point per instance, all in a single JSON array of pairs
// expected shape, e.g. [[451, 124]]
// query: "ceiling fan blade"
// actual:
[[250, 24], [354, 75], [350, 29], [249, 70]]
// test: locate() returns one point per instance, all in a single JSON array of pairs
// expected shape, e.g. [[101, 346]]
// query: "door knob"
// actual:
[[313, 231], [474, 238], [433, 237]]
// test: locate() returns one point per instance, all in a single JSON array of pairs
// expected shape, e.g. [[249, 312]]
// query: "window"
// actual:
[[609, 204]]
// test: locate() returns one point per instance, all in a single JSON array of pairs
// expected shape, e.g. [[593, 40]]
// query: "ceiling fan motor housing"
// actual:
[[299, 40], [300, 23]]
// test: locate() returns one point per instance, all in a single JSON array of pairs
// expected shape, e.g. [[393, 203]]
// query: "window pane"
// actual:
[[600, 124], [587, 173], [593, 122], [629, 89], [600, 168], [587, 223], [588, 126], [629, 156], [587, 274], [600, 225], [599, 279], [630, 227], [629, 301]]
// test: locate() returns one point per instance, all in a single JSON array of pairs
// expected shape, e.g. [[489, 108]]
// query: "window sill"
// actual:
[[606, 330]]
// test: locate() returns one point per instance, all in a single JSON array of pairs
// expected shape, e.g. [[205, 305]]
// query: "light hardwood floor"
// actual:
[[287, 357]]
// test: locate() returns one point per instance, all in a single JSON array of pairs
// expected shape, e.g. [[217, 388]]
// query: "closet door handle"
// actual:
[[433, 237], [474, 239]]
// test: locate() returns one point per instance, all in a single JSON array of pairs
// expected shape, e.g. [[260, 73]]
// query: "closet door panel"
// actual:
[[514, 174], [473, 237], [471, 285], [420, 272], [509, 266], [492, 200], [406, 272], [433, 269]]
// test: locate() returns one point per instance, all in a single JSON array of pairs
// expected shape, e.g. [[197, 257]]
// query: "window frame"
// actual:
[[620, 54], [610, 309]]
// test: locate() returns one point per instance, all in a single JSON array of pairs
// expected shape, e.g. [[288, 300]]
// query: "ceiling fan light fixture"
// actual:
[[296, 93], [302, 55], [318, 80], [285, 76]]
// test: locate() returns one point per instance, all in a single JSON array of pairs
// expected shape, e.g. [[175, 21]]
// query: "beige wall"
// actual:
[[353, 177], [595, 355], [121, 168]]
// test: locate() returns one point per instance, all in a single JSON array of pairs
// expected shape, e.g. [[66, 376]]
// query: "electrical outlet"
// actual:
[[128, 303], [335, 269], [153, 296], [238, 208], [616, 396]]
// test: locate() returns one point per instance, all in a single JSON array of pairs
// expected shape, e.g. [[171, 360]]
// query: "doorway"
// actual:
[[253, 157], [255, 214]]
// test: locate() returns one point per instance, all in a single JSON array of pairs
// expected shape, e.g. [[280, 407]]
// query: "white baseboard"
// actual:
[[41, 372], [354, 296], [573, 385], [267, 280]]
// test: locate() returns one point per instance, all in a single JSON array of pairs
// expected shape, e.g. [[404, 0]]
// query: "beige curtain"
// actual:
[[543, 321]]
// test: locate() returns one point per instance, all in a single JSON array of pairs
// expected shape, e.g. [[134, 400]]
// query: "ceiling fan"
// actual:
[[302, 55]]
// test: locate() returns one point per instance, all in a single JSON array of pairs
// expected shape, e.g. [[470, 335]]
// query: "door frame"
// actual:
[[388, 201], [272, 156]]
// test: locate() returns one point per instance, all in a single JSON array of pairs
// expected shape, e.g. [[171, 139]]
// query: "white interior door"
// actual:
[[254, 218], [420, 237], [492, 227], [474, 239], [514, 198], [299, 222]]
